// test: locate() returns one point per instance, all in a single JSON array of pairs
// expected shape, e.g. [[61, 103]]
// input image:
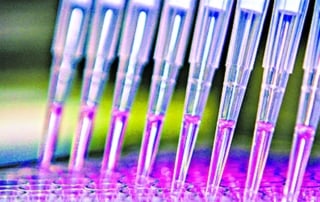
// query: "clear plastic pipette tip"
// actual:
[[300, 153], [114, 141], [82, 138], [258, 158], [186, 145], [52, 130], [220, 152], [149, 147]]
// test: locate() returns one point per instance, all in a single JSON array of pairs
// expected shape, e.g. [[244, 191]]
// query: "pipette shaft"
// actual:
[[207, 43], [246, 32], [67, 49], [283, 40], [101, 51], [308, 113], [174, 31], [135, 45]]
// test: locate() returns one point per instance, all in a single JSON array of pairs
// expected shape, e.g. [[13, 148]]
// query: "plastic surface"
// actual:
[[137, 35], [101, 51], [308, 113], [246, 33], [67, 48], [173, 36], [283, 40], [207, 43]]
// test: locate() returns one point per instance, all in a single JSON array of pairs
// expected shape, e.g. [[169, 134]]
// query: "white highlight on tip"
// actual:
[[217, 4], [255, 5], [289, 5]]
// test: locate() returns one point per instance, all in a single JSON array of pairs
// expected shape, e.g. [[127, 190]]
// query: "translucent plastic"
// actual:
[[246, 32], [175, 27], [284, 34], [51, 132], [68, 45], [135, 46], [258, 158], [174, 31], [113, 146], [82, 137], [300, 153], [102, 47], [137, 35], [219, 156], [186, 145], [101, 51], [308, 113], [67, 48], [207, 43], [283, 40]]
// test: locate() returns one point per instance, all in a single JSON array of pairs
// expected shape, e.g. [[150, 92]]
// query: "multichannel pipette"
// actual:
[[101, 51], [246, 32], [308, 113], [135, 45], [175, 26], [67, 49], [282, 44], [207, 45]]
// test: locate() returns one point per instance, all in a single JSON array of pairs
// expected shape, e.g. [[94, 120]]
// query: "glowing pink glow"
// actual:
[[91, 185]]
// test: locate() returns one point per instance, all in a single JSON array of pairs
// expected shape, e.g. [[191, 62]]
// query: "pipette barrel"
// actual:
[[245, 37], [308, 112], [67, 49], [174, 30], [101, 51], [207, 43], [283, 40], [135, 45]]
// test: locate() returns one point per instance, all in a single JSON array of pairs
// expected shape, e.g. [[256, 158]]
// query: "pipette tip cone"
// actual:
[[82, 137], [149, 146], [186, 145], [300, 153], [114, 141], [258, 157], [220, 154], [52, 126]]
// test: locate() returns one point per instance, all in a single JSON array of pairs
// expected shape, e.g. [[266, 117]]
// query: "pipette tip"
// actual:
[[300, 153], [186, 145], [82, 137], [52, 126], [220, 154], [258, 157], [149, 146], [114, 141]]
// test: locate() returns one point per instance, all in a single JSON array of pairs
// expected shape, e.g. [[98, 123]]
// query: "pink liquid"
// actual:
[[114, 141], [82, 137], [52, 127], [220, 152], [149, 147], [300, 153], [186, 145], [258, 158]]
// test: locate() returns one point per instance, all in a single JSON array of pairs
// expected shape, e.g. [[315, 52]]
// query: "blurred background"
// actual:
[[26, 30]]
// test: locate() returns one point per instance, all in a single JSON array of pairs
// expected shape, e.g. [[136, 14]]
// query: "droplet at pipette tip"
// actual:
[[245, 37], [174, 31], [138, 32], [67, 49], [308, 113], [206, 49], [282, 44], [101, 51]]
